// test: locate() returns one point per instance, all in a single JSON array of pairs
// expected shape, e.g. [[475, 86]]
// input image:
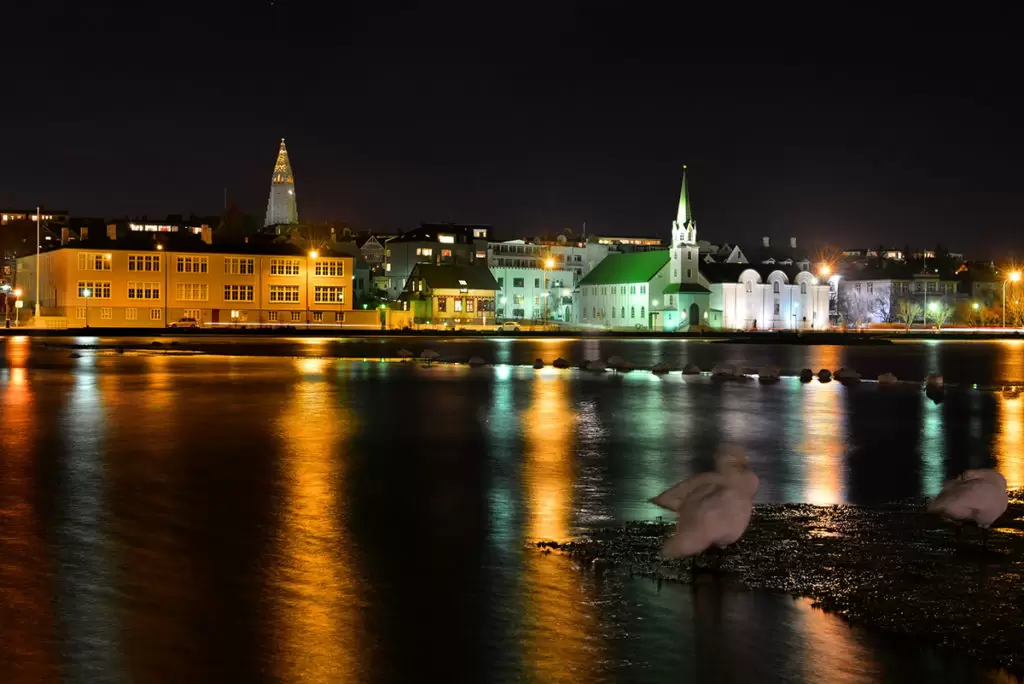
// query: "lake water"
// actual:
[[215, 518]]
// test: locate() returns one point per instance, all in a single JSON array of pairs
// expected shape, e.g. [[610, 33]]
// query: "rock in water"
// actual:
[[887, 379], [933, 381], [806, 375], [560, 363], [724, 370], [660, 368], [691, 369], [476, 361], [769, 374], [847, 375], [824, 375], [596, 366], [538, 364]]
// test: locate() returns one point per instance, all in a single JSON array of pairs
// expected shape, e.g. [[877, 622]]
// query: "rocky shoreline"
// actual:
[[891, 567]]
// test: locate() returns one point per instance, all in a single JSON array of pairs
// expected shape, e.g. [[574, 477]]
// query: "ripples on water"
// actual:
[[253, 519]]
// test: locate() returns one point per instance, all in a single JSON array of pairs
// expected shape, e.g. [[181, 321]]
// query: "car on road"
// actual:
[[509, 326], [185, 322]]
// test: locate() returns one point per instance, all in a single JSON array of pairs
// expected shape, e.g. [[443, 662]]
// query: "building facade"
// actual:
[[874, 297], [115, 284], [456, 294], [766, 297], [441, 244], [624, 289], [282, 207]]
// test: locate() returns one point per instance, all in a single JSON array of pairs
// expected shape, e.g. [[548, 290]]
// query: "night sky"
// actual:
[[841, 127]]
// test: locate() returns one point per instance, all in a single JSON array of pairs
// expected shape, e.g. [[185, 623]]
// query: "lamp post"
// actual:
[[1013, 277], [341, 305], [549, 264], [313, 254], [39, 217], [165, 266], [86, 293], [17, 309]]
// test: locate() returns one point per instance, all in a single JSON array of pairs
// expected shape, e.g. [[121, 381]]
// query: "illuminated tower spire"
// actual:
[[684, 253], [281, 207]]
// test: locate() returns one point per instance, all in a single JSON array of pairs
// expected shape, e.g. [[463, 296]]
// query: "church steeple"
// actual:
[[281, 205], [684, 254]]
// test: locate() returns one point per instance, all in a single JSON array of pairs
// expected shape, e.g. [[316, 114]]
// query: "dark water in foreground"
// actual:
[[273, 519]]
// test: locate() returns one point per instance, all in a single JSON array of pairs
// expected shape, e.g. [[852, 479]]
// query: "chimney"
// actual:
[[766, 241], [207, 234], [65, 235], [112, 231], [792, 243]]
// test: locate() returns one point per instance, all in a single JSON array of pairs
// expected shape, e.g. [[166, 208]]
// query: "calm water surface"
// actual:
[[227, 518]]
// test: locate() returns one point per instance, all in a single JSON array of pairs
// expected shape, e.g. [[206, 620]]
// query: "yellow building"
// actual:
[[457, 293], [129, 284]]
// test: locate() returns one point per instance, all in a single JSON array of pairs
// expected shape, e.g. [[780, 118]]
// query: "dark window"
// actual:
[[501, 283], [536, 282], [517, 282]]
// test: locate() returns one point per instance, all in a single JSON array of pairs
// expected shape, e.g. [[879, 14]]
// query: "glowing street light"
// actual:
[[86, 293], [975, 306], [825, 270], [549, 263], [1013, 277], [933, 306]]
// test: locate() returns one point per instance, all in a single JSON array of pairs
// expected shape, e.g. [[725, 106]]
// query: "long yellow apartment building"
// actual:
[[151, 285]]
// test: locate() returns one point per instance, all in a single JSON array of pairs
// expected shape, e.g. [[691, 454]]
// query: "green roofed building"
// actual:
[[658, 290]]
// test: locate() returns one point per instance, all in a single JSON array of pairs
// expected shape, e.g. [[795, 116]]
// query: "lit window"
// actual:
[[328, 294], [239, 266], [156, 314], [329, 267], [138, 290], [284, 267], [144, 262], [131, 314], [191, 292], [284, 293], [97, 289], [446, 239], [296, 316], [238, 293], [80, 313], [775, 287]]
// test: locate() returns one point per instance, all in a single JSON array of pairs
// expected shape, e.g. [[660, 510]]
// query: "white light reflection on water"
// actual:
[[933, 446]]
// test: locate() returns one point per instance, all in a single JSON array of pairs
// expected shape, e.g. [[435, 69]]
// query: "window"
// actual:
[[643, 312], [94, 261], [871, 288], [671, 300], [239, 266], [536, 282], [387, 267], [191, 292], [536, 302], [239, 316], [138, 290], [803, 288], [623, 311], [931, 287], [238, 293], [318, 316], [131, 314], [775, 288], [750, 286], [632, 312], [328, 294], [643, 289], [517, 300], [689, 273], [106, 313], [424, 251], [80, 313], [593, 312], [776, 308], [193, 264], [284, 267], [329, 267], [272, 316], [284, 293], [458, 304], [144, 262], [446, 253], [97, 289], [156, 314], [446, 239], [442, 304], [481, 254], [501, 283], [856, 286], [296, 316], [518, 282], [613, 312], [194, 313], [632, 289]]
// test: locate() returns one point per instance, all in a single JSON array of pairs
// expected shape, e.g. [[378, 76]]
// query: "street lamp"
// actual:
[[313, 254], [86, 293], [17, 309], [1013, 278], [825, 270]]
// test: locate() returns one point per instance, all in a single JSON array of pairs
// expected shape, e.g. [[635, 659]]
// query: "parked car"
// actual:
[[185, 323], [509, 326]]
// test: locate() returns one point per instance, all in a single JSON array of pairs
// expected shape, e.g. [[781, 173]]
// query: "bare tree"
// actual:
[[860, 308], [907, 310], [940, 313]]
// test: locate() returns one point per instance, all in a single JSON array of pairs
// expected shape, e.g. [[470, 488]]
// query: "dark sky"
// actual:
[[838, 127]]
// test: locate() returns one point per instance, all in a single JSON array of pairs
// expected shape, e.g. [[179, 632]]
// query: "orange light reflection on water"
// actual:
[[823, 416], [562, 643], [1010, 439], [314, 590]]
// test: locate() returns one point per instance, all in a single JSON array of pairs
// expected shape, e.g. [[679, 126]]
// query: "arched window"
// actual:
[[775, 287], [688, 271], [803, 288], [632, 312], [750, 286]]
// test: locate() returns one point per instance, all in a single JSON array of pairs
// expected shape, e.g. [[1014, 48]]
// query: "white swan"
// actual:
[[713, 508], [977, 496]]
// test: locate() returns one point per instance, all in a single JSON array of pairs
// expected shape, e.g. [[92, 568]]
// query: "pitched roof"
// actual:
[[730, 273], [630, 267], [676, 288], [448, 277]]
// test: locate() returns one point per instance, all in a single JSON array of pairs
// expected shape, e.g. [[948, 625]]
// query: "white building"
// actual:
[[766, 297], [674, 289], [538, 279]]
